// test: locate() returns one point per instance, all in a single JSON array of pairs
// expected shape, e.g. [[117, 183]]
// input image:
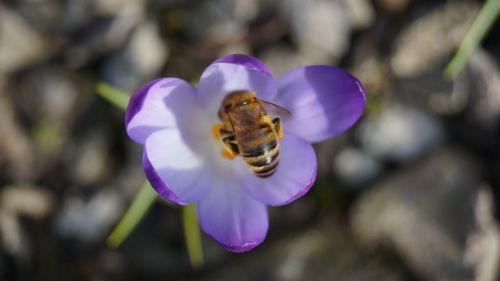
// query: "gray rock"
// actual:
[[326, 151], [75, 14], [139, 61], [27, 201], [356, 168], [91, 161], [60, 93], [483, 245], [52, 98], [106, 34], [49, 17], [431, 38], [89, 221], [399, 133], [321, 29], [244, 11], [425, 213], [146, 50], [393, 6], [323, 251], [20, 44], [115, 7], [281, 58], [17, 150], [473, 92], [370, 69], [361, 13], [478, 86], [14, 240], [21, 201], [431, 91], [314, 49], [217, 22]]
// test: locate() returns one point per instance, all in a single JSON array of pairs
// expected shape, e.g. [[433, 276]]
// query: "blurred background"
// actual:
[[410, 193]]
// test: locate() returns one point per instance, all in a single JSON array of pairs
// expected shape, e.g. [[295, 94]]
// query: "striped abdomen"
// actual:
[[261, 151]]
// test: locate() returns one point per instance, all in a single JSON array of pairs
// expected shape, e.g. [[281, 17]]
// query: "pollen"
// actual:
[[227, 154], [216, 131]]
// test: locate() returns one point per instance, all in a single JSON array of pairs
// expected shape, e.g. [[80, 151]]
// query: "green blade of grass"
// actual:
[[141, 204], [192, 235], [113, 95], [482, 23]]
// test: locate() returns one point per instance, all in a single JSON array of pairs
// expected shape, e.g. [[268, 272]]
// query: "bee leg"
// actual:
[[231, 147], [216, 131], [277, 127]]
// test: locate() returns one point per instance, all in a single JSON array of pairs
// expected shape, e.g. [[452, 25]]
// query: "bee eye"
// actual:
[[245, 102]]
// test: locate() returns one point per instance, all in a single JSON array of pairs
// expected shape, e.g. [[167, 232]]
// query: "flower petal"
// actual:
[[294, 177], [233, 218], [156, 106], [175, 168], [324, 101], [238, 72]]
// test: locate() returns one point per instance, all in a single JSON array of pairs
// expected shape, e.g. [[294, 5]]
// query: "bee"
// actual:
[[248, 130]]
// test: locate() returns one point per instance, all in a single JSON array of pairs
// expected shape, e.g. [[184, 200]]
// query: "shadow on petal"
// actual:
[[324, 101]]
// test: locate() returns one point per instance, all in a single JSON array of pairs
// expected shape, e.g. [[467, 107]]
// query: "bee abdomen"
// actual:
[[266, 171], [263, 162]]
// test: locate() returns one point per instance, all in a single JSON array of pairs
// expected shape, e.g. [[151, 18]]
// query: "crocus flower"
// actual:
[[182, 160]]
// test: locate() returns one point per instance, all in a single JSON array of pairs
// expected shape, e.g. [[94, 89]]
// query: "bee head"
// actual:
[[243, 103], [236, 100]]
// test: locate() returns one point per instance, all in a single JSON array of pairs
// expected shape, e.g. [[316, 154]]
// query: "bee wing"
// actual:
[[274, 109]]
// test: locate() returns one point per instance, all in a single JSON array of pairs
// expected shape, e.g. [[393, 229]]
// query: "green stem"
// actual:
[[484, 20], [192, 235], [113, 95], [142, 202]]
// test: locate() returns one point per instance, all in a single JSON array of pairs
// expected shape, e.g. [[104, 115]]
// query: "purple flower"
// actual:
[[182, 160]]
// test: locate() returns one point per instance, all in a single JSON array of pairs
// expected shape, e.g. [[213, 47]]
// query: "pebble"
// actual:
[[431, 38], [321, 29], [356, 168], [89, 221], [20, 44], [399, 133], [140, 60], [425, 213]]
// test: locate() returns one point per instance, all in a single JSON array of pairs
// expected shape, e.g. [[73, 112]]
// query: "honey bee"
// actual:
[[249, 131]]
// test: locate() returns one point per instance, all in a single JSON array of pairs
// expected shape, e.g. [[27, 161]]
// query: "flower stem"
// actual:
[[113, 95], [484, 20], [192, 235], [142, 202]]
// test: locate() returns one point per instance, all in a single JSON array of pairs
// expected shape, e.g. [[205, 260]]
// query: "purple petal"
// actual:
[[324, 101], [295, 175], [233, 73], [175, 169], [233, 218], [153, 107], [137, 99], [245, 60]]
